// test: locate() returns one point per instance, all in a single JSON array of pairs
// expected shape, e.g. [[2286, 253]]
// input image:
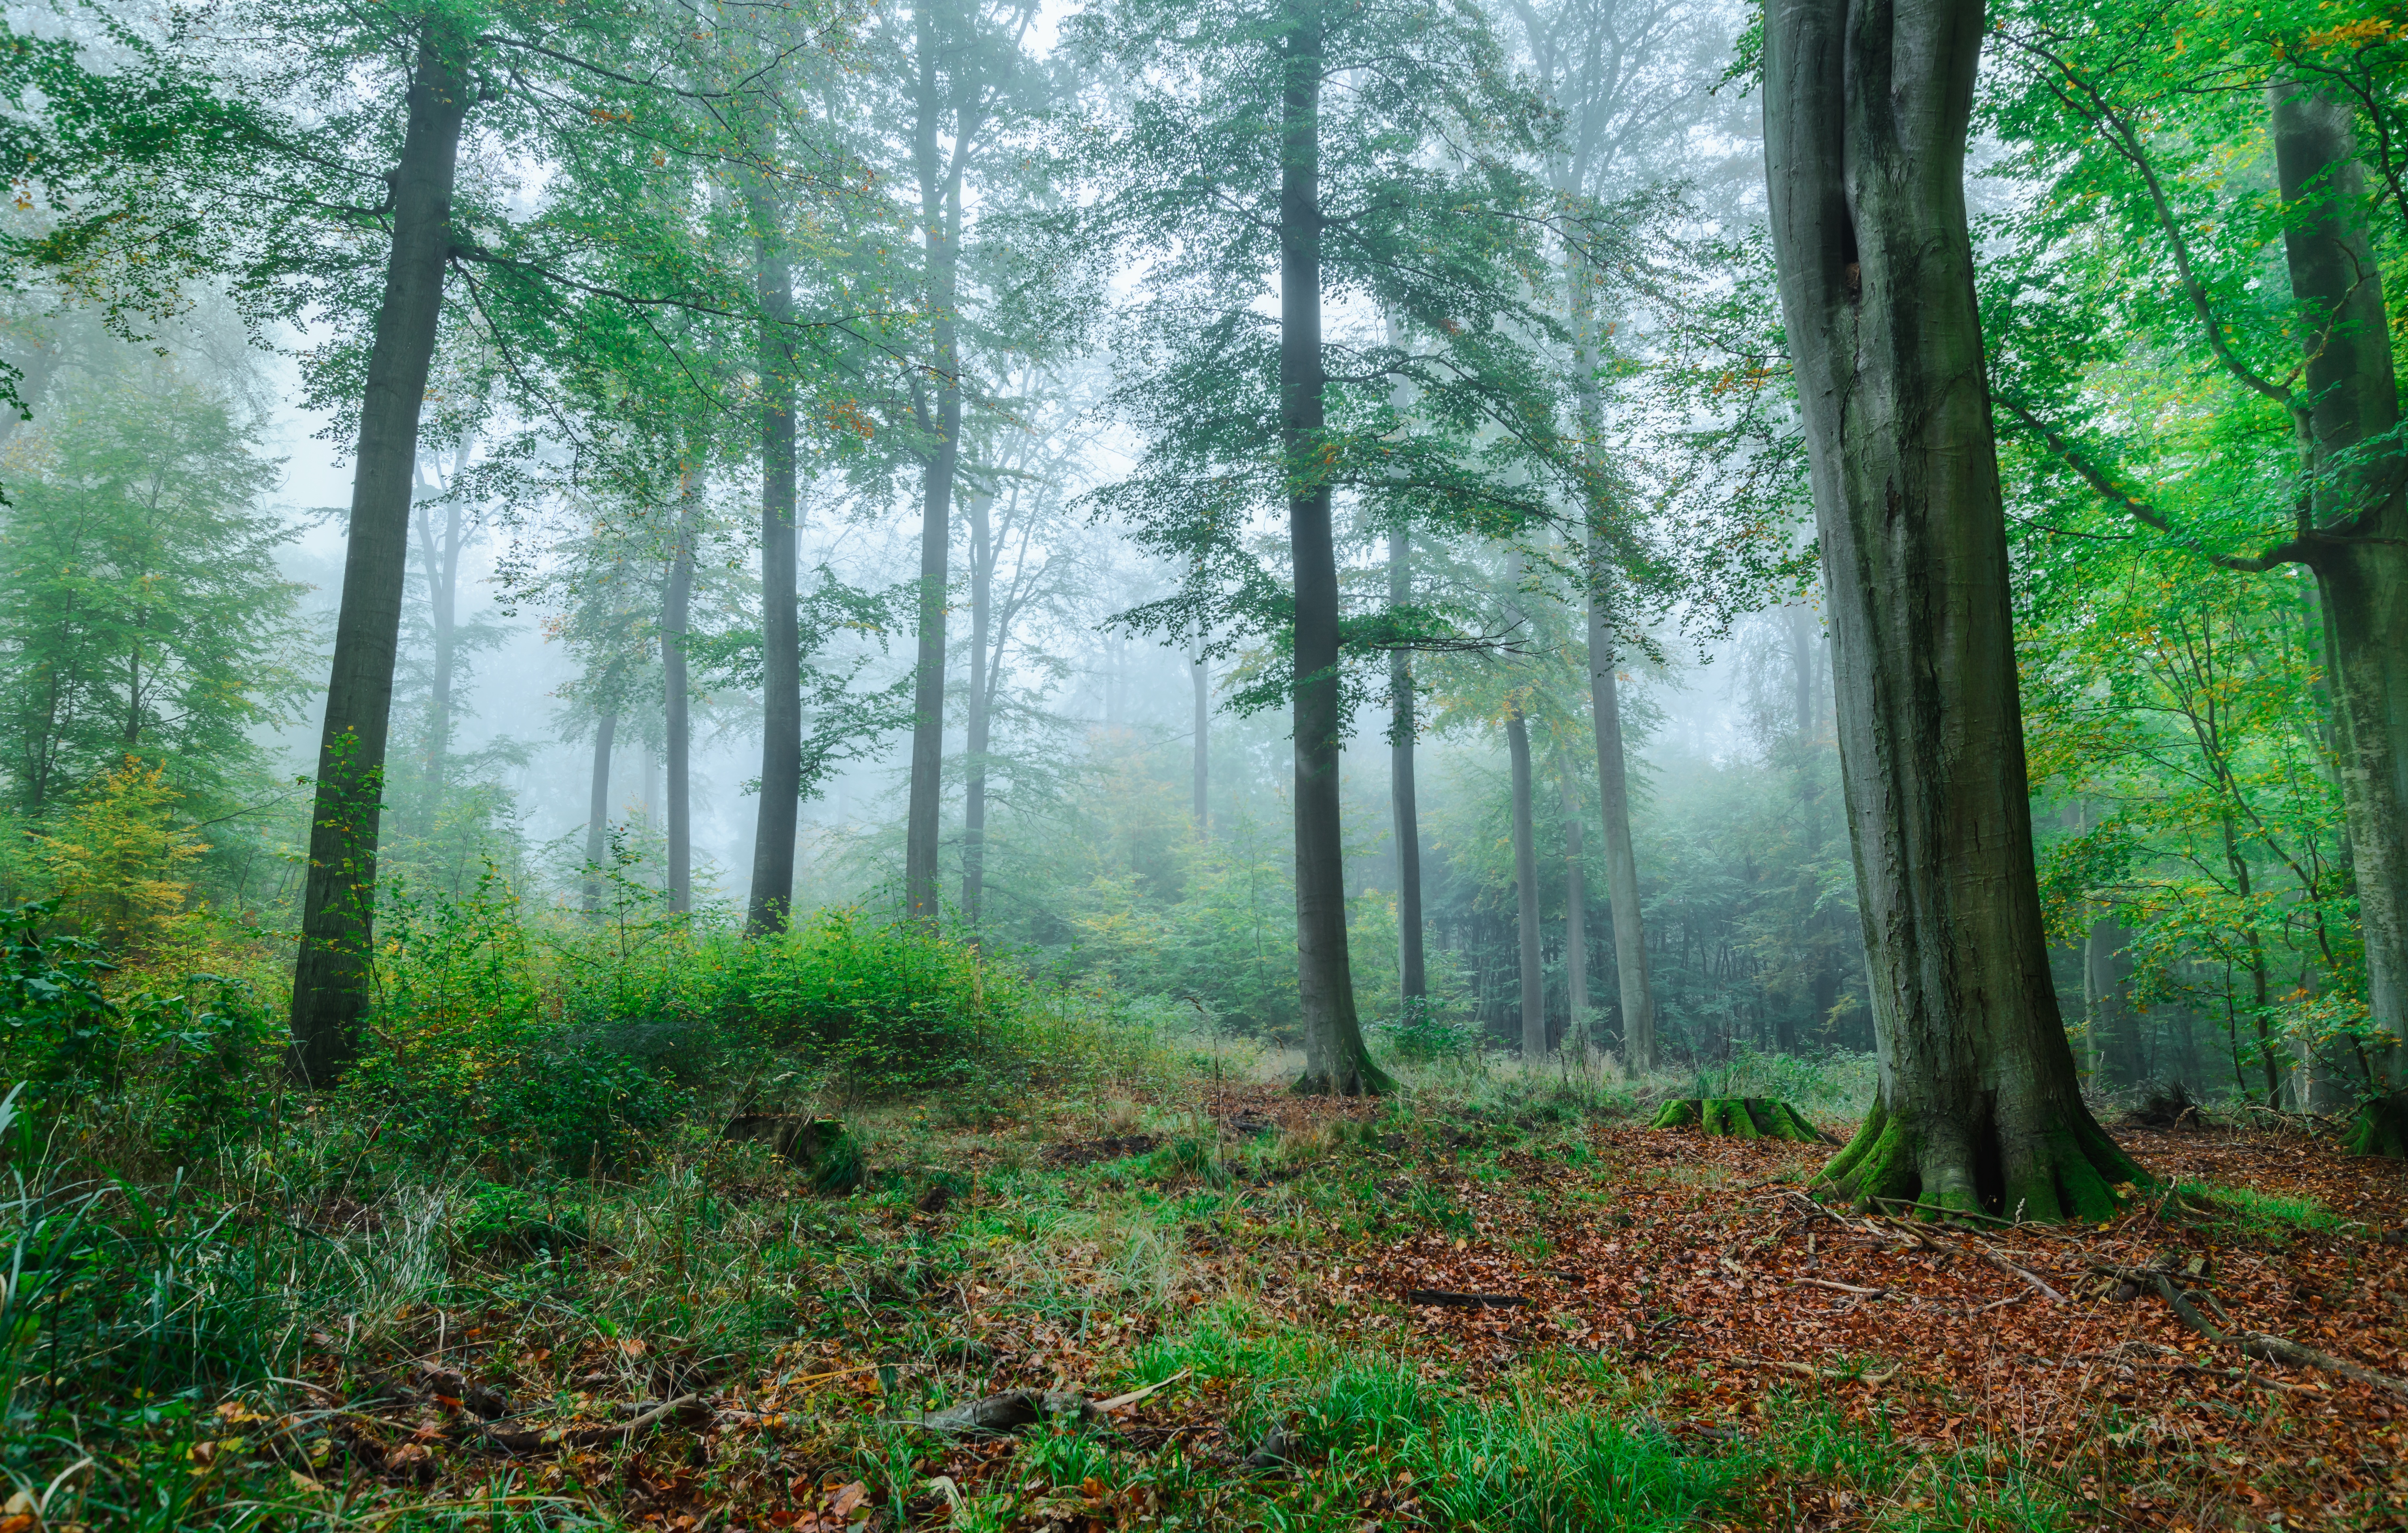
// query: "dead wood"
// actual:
[[1841, 1287], [535, 1439], [2257, 1344], [1462, 1301], [1837, 1375]]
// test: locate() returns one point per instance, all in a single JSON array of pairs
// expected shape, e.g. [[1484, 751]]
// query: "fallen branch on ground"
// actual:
[[520, 1441], [1839, 1375], [2257, 1344]]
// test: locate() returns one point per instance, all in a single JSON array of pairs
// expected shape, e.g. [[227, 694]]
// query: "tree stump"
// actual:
[[1741, 1118]]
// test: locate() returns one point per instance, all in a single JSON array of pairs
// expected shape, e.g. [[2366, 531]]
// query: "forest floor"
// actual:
[[1498, 1313]]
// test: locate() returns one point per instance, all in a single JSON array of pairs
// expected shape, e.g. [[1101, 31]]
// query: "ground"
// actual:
[[1492, 1311]]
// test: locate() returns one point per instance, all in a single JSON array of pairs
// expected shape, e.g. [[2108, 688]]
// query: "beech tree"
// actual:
[[1978, 1106], [1233, 163]]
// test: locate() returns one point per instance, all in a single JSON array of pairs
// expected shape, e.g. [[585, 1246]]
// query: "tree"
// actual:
[[1234, 162], [141, 610], [1978, 1106], [2312, 381]]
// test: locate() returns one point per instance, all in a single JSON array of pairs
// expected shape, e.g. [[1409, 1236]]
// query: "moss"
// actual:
[[2380, 1127]]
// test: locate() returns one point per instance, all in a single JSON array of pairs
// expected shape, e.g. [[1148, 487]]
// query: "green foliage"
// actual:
[[59, 1023]]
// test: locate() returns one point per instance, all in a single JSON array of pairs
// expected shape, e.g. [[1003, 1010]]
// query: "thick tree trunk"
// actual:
[[676, 697], [940, 226], [2360, 545], [1526, 890], [1575, 907], [770, 905], [598, 808], [1979, 1105], [330, 975], [983, 560], [1335, 1059], [1639, 1048], [1413, 973]]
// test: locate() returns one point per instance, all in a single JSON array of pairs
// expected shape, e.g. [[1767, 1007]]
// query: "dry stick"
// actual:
[[592, 1436], [1840, 1287], [2257, 1344], [2005, 1266]]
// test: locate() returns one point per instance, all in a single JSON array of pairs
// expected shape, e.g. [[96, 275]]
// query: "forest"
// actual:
[[1065, 765]]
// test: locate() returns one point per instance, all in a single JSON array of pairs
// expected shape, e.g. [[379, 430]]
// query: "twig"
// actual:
[[2257, 1344], [1117, 1401], [592, 1436], [2005, 1266], [1840, 1287]]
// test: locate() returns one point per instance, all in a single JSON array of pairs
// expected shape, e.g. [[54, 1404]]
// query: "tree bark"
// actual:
[[1526, 890], [770, 905], [1199, 677], [1335, 1058], [2358, 546], [338, 912], [1575, 907], [597, 806], [1413, 973], [2107, 985], [1639, 1046], [676, 697], [1979, 1105], [940, 217], [438, 560], [982, 559]]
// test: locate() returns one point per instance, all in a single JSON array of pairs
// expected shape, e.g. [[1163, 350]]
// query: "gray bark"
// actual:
[[676, 697], [1575, 907], [1336, 1060], [983, 560], [2107, 990], [330, 973], [1413, 972], [1526, 890], [597, 807], [770, 904], [1979, 1104], [1639, 1046], [2356, 540], [1199, 678]]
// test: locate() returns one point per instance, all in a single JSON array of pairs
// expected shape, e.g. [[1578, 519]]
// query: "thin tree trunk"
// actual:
[[38, 362], [1199, 680], [676, 699], [1335, 1058], [1413, 974], [439, 562], [1575, 906], [330, 977], [2359, 553], [1639, 1046], [1979, 1105], [940, 226], [1526, 890], [770, 905], [597, 807], [983, 563]]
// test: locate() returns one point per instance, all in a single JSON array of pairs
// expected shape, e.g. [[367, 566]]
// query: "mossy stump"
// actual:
[[1741, 1118]]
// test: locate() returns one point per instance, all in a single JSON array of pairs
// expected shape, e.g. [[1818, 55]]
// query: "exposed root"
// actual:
[[2071, 1172], [2257, 1344], [2380, 1127], [1741, 1118]]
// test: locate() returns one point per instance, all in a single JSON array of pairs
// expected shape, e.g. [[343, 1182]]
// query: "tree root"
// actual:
[[2257, 1344], [2380, 1127], [2073, 1171], [1741, 1118]]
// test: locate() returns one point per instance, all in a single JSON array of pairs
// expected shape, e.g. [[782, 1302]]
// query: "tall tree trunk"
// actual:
[[2107, 985], [597, 806], [940, 227], [1638, 1047], [438, 560], [2358, 549], [982, 562], [337, 910], [1575, 906], [1199, 680], [1526, 890], [1979, 1105], [1413, 974], [1335, 1058], [37, 361], [676, 698], [770, 905]]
